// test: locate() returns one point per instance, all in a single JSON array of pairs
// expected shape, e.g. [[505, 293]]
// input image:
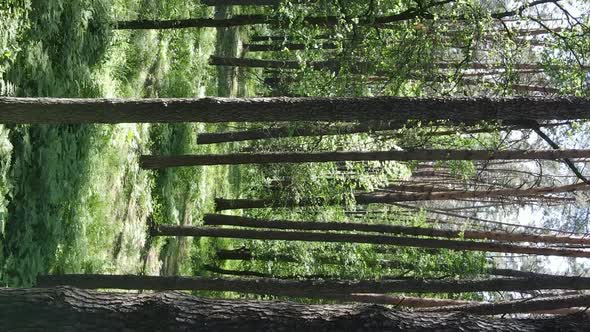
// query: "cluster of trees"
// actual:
[[397, 77]]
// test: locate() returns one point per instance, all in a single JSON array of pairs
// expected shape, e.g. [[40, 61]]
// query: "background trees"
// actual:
[[77, 200]]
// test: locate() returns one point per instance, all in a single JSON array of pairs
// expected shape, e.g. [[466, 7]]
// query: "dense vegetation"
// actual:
[[75, 199]]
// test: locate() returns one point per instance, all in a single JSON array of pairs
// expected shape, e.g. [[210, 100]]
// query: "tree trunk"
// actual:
[[327, 21], [245, 203], [159, 162], [243, 273], [68, 309], [244, 254], [288, 46], [253, 134], [471, 218], [389, 197], [337, 109], [269, 38], [241, 2], [280, 132], [217, 219], [518, 306], [277, 64], [517, 273], [360, 67], [311, 288], [167, 230]]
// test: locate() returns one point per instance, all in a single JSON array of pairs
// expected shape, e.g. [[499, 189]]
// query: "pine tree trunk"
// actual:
[[241, 2], [69, 309], [280, 132], [361, 67], [311, 288], [326, 21], [518, 306], [254, 134], [363, 109], [269, 38], [277, 64], [244, 254], [287, 46], [159, 162], [228, 220], [389, 197], [167, 230]]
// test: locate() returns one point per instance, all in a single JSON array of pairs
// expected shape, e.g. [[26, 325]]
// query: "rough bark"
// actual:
[[360, 67], [253, 134], [245, 254], [408, 14], [518, 306], [241, 2], [159, 161], [388, 197], [288, 46], [270, 38], [276, 64], [245, 203], [341, 109], [217, 219], [167, 230], [68, 309], [310, 288], [517, 273], [280, 132]]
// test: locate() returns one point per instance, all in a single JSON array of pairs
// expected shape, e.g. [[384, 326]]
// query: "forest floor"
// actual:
[[74, 199]]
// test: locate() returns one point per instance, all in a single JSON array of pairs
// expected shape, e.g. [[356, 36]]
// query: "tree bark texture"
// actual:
[[271, 38], [276, 64], [358, 67], [254, 19], [288, 46], [388, 197], [280, 132], [159, 161], [340, 109], [241, 2], [232, 233], [519, 306], [228, 220], [254, 134], [69, 309], [311, 288]]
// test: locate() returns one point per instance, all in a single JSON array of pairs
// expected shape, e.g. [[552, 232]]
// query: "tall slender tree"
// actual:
[[167, 230], [156, 161], [228, 220]]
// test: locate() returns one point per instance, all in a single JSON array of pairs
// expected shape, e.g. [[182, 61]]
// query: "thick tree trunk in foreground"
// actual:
[[311, 288], [166, 230], [69, 309], [253, 134], [218, 219], [344, 109], [157, 162]]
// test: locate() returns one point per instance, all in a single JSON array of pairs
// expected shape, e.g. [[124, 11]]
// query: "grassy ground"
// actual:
[[75, 199]]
